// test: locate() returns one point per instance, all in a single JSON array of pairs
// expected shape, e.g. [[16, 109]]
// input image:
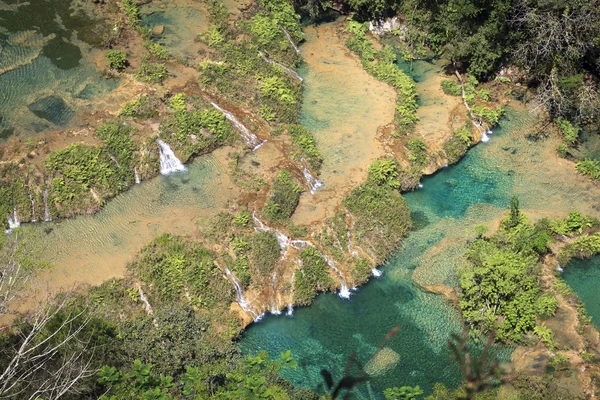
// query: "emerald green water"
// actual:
[[446, 211], [583, 276], [47, 64]]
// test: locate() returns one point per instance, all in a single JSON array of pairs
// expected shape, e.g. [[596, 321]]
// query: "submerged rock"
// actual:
[[158, 30], [382, 362]]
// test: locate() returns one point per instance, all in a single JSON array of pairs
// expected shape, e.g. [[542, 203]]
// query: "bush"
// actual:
[[384, 172], [285, 195], [589, 167], [570, 133], [382, 219], [488, 115], [418, 152], [307, 148], [151, 72], [312, 278], [451, 88], [116, 59], [156, 50], [142, 107]]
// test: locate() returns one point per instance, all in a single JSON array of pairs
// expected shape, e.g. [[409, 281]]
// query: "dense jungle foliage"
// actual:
[[501, 288], [554, 43]]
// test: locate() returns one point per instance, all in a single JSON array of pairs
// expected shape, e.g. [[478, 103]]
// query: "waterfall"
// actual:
[[313, 183], [420, 186], [350, 247], [169, 163], [33, 218], [290, 307], [250, 138], [290, 39], [376, 273], [137, 176], [241, 300], [344, 292], [484, 136], [13, 222], [114, 160], [46, 210], [288, 70]]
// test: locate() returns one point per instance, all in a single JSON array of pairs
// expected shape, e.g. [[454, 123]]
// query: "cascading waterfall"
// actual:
[[274, 309], [288, 70], [484, 137], [33, 218], [344, 291], [252, 141], [46, 210], [290, 307], [376, 273], [313, 183], [13, 222], [241, 300], [136, 175], [114, 160], [350, 247], [290, 39], [169, 163]]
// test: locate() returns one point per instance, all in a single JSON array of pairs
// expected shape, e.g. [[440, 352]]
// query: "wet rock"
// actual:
[[388, 25], [158, 30]]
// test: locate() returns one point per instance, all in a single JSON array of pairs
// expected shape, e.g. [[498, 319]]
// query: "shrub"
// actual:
[[418, 152], [384, 172], [142, 107], [116, 59], [285, 195], [382, 219], [451, 88], [570, 133], [307, 148], [488, 115], [589, 167], [157, 50], [313, 277], [151, 72]]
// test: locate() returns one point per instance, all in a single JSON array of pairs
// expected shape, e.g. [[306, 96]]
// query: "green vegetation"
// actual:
[[456, 147], [451, 88], [418, 152], [116, 59], [82, 176], [500, 291], [151, 72], [232, 67], [381, 214], [382, 66], [156, 50], [589, 167], [196, 131], [284, 197], [305, 146], [142, 107], [491, 116], [584, 246], [313, 277]]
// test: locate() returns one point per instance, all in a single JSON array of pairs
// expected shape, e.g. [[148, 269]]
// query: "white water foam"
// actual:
[[169, 163]]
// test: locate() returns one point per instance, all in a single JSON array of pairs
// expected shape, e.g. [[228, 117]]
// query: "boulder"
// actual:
[[158, 30], [382, 27]]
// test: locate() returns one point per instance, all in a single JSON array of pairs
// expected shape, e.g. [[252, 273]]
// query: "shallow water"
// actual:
[[343, 106], [182, 20], [92, 249], [446, 211], [47, 66], [583, 276]]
